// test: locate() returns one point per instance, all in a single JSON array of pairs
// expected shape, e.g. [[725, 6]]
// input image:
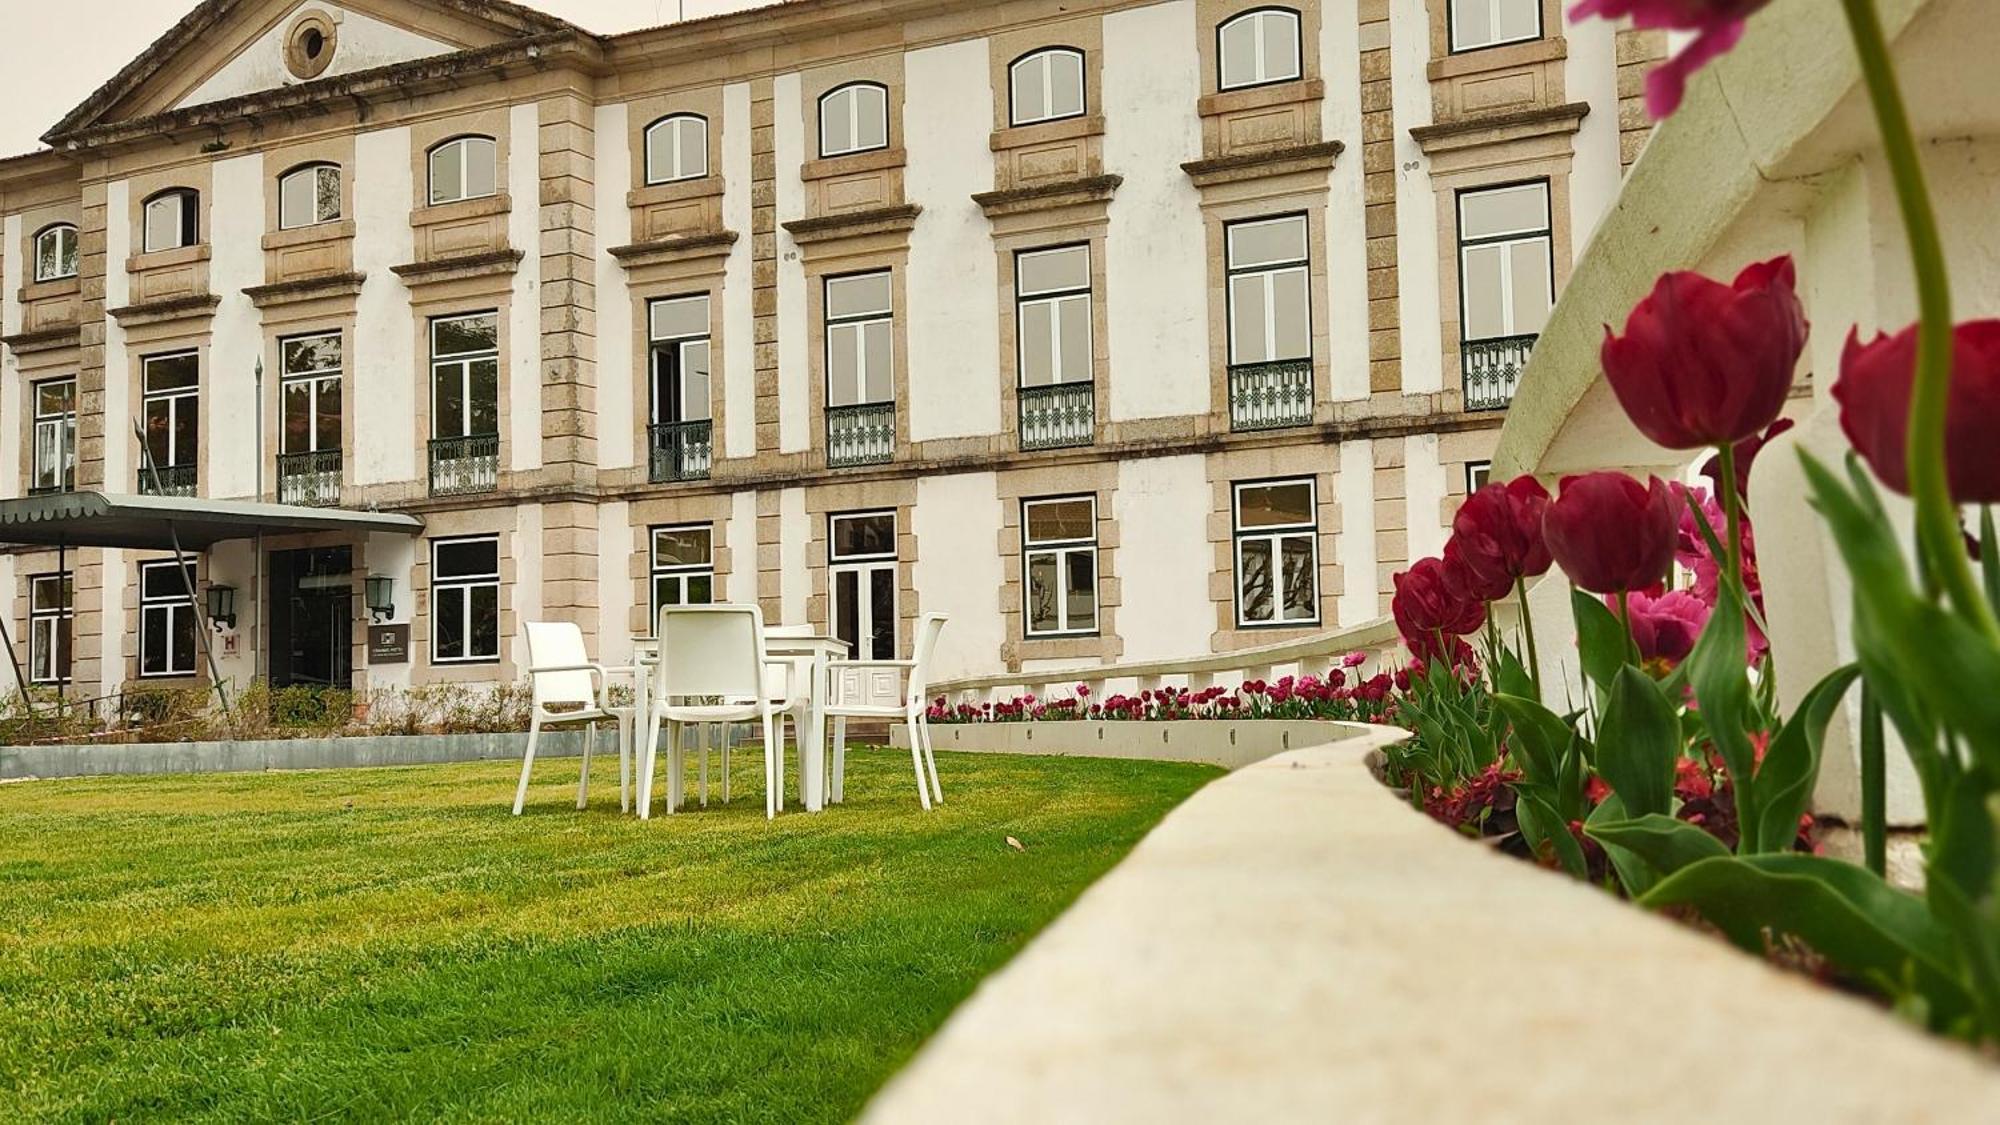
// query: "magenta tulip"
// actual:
[[1874, 395], [1499, 531], [1665, 626], [1717, 25], [1702, 363], [1611, 534]]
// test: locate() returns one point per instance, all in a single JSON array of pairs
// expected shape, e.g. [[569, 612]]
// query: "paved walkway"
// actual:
[[1293, 944]]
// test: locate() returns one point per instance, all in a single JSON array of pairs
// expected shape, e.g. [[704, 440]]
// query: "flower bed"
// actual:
[[1342, 695]]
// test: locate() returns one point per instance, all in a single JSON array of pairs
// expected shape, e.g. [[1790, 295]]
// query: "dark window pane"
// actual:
[[485, 621], [1082, 589], [174, 372], [873, 534], [183, 630], [1301, 600], [328, 410], [448, 403], [468, 558], [466, 334], [1255, 563], [153, 640], [162, 582], [1042, 579], [448, 611], [298, 416], [847, 611], [700, 589], [484, 409], [681, 546], [882, 612], [1284, 503]]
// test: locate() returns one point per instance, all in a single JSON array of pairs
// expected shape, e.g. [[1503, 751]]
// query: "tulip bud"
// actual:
[[1610, 533]]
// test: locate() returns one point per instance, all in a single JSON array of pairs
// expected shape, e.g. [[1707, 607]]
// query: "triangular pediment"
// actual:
[[226, 49]]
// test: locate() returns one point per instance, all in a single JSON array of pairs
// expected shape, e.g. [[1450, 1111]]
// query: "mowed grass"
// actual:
[[390, 944]]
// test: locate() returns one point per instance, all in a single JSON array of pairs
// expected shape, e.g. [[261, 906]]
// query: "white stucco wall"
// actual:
[[112, 647], [384, 441], [615, 361], [236, 335], [1424, 492], [741, 535], [13, 392], [233, 563], [1416, 202], [1346, 304], [954, 332], [794, 388], [955, 517], [395, 557], [1360, 593], [1164, 557], [1590, 75], [739, 322], [1158, 259], [362, 42], [794, 540], [524, 330]]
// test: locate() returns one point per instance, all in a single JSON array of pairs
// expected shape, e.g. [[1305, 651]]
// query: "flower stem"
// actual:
[[1528, 630], [1732, 510], [1930, 482], [1625, 618]]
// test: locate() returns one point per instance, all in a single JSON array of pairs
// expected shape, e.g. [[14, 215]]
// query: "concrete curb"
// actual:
[[25, 762]]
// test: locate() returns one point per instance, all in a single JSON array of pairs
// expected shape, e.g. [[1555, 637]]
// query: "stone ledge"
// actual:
[[1294, 943], [1498, 128], [1317, 157], [679, 248], [44, 339], [457, 269], [305, 289], [171, 308], [1049, 196], [854, 224]]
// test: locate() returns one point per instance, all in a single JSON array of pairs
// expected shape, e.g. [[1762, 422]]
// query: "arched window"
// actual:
[[173, 220], [854, 118], [1046, 86], [677, 149], [55, 252], [1258, 48], [463, 168], [308, 195]]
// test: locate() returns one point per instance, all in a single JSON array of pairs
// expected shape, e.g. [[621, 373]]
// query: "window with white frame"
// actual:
[[1270, 290], [463, 168], [465, 376], [1059, 566], [465, 600], [1258, 48], [862, 581], [166, 619], [54, 456], [309, 392], [1052, 315], [679, 330], [51, 609], [1046, 86], [172, 220], [309, 196], [683, 567], [854, 118], [1492, 23], [860, 339], [55, 253], [172, 409], [677, 149], [1478, 474], [1506, 261], [1277, 552]]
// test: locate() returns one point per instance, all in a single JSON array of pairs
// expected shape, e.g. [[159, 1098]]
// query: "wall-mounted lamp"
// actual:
[[222, 607], [381, 591]]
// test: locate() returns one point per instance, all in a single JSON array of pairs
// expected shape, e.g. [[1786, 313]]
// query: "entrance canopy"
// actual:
[[97, 519]]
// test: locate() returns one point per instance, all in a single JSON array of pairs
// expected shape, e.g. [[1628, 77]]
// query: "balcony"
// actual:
[[310, 480], [680, 451], [860, 435], [1492, 369], [174, 480], [1270, 396], [462, 466], [1058, 416]]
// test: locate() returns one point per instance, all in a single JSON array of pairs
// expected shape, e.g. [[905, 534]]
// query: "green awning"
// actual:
[[97, 519]]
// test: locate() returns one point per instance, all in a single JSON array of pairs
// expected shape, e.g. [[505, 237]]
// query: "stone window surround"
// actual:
[[1447, 63], [828, 500], [41, 563], [1218, 214], [714, 509], [168, 337], [1087, 225], [473, 295], [1459, 77], [1096, 479], [33, 222], [458, 525], [1226, 470], [854, 256], [134, 560], [1210, 15], [643, 113], [334, 315], [143, 265], [495, 123], [1083, 33], [691, 278], [822, 175], [358, 544], [40, 367], [338, 235]]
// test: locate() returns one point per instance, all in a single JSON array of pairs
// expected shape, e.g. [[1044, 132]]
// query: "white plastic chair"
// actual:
[[561, 674], [912, 710], [714, 651], [785, 685]]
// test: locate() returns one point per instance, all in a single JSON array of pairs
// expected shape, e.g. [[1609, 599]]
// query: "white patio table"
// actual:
[[778, 645]]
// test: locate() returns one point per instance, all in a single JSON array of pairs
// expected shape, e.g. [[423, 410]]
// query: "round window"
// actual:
[[310, 44]]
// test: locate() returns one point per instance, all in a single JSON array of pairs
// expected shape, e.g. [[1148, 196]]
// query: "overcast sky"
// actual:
[[39, 85]]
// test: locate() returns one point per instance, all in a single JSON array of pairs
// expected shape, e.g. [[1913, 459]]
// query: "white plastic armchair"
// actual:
[[911, 710], [565, 686], [708, 652]]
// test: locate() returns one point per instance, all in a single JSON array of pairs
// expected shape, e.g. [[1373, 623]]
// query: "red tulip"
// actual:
[[1498, 531], [1874, 395], [1610, 533], [1702, 363], [1426, 607], [1717, 25]]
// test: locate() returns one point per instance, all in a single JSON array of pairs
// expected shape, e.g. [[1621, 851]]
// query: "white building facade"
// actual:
[[1116, 329]]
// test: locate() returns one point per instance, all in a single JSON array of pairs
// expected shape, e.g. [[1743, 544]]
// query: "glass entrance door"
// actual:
[[312, 618], [861, 582]]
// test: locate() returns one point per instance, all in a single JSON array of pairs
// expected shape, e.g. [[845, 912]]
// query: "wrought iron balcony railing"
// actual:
[[1492, 369], [462, 465], [681, 451], [1058, 416], [311, 480], [860, 435], [1269, 396], [175, 480]]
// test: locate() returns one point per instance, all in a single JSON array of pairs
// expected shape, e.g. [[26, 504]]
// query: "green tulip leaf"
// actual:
[[1790, 769], [1539, 737], [1845, 912], [1718, 671], [1603, 646], [1989, 556], [1633, 871], [1638, 742], [1511, 676], [1664, 843], [1541, 825], [1978, 937]]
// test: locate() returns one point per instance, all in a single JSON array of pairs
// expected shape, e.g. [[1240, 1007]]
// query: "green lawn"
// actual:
[[372, 944]]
